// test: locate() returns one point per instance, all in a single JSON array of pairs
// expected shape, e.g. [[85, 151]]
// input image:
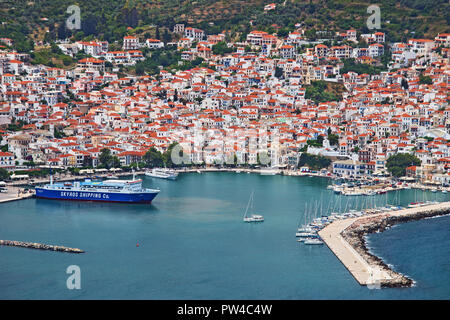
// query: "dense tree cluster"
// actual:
[[109, 19], [318, 92], [221, 48], [360, 68], [4, 174], [107, 160], [397, 164], [313, 162], [425, 79]]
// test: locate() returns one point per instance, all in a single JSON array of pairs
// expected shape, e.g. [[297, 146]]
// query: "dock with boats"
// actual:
[[346, 238], [361, 189]]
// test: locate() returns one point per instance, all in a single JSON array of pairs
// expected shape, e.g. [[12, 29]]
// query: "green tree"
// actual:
[[105, 158], [4, 174], [405, 85], [360, 68], [166, 36], [140, 68], [278, 72], [167, 156], [333, 139], [221, 48], [397, 164], [425, 79], [318, 92], [153, 158], [115, 162], [313, 162]]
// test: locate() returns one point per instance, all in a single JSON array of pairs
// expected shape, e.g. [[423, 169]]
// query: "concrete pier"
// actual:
[[346, 239], [40, 246], [14, 193]]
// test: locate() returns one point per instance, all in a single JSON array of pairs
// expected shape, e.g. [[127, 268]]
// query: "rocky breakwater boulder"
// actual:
[[40, 246], [356, 233]]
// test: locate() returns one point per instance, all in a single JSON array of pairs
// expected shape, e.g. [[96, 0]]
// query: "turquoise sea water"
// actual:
[[194, 245]]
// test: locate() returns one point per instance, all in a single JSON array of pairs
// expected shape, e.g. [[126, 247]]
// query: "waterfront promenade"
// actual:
[[366, 269], [14, 193]]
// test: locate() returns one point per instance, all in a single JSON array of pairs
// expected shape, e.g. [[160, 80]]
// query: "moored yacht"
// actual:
[[162, 173], [314, 241]]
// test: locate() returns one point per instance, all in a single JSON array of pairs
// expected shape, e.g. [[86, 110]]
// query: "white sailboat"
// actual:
[[252, 217], [305, 228]]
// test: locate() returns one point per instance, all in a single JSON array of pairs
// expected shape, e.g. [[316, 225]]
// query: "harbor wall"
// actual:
[[39, 246], [347, 239]]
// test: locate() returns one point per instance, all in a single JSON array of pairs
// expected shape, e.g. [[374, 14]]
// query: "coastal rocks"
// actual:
[[40, 246], [355, 235]]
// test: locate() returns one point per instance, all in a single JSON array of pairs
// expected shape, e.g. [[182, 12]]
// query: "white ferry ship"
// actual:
[[129, 191]]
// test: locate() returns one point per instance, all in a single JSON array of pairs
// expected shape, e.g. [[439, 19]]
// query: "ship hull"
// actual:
[[161, 177], [141, 197]]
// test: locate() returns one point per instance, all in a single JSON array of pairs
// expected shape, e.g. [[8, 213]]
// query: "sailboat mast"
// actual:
[[306, 212], [248, 204]]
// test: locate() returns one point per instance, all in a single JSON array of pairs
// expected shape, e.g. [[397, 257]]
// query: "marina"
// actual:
[[355, 257], [193, 232]]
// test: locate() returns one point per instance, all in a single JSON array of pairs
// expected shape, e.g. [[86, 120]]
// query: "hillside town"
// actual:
[[250, 105]]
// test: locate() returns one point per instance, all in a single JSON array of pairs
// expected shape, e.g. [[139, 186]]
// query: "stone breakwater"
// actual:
[[355, 235], [40, 246]]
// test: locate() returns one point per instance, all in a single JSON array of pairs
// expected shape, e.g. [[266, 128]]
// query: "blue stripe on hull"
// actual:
[[95, 196]]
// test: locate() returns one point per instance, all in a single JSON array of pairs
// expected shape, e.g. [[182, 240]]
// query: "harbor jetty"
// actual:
[[40, 246], [14, 193], [346, 238]]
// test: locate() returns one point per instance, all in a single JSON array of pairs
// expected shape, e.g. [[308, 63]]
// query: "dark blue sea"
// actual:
[[191, 243]]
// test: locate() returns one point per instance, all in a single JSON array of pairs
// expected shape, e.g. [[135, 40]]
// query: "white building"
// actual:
[[193, 33], [130, 43], [154, 43], [421, 46], [6, 160], [348, 168], [376, 50]]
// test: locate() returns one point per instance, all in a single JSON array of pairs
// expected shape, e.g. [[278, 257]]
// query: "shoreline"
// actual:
[[347, 240], [15, 185]]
